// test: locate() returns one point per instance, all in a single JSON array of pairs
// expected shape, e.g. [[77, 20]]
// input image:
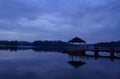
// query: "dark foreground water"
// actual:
[[27, 64]]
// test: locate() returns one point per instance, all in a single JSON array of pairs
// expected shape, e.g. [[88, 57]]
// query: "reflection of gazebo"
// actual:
[[75, 57], [76, 64], [76, 40]]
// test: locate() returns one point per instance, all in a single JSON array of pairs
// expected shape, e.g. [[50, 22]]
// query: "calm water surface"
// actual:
[[27, 64]]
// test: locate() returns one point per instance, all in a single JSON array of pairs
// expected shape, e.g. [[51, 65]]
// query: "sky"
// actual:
[[29, 20]]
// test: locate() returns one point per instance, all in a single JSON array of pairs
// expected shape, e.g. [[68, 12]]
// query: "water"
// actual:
[[28, 64]]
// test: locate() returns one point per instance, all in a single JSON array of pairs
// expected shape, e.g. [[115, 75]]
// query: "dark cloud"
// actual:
[[59, 19]]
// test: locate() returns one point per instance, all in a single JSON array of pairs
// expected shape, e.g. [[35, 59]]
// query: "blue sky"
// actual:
[[91, 20]]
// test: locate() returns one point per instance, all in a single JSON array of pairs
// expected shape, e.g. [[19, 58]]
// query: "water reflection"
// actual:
[[53, 63], [71, 52], [76, 64]]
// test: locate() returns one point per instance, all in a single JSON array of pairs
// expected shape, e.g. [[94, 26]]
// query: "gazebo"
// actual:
[[76, 40]]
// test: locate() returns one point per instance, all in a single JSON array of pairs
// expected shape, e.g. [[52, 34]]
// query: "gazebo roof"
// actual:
[[76, 40]]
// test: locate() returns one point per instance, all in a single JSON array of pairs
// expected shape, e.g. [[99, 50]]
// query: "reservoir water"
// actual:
[[30, 64]]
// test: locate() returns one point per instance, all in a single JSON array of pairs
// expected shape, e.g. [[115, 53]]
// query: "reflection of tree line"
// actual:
[[74, 51], [14, 48], [59, 46], [70, 52]]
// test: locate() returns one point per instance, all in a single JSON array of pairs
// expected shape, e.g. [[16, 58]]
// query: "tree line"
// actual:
[[34, 43], [5, 43], [108, 44]]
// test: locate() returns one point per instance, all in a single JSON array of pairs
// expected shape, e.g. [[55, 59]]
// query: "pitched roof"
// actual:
[[76, 40]]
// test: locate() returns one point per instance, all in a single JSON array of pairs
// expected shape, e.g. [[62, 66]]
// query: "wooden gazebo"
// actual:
[[76, 40]]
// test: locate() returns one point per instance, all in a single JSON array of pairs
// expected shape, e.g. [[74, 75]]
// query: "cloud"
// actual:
[[59, 19]]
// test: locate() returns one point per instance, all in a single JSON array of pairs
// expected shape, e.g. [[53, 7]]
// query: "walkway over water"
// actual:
[[96, 55], [76, 51]]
